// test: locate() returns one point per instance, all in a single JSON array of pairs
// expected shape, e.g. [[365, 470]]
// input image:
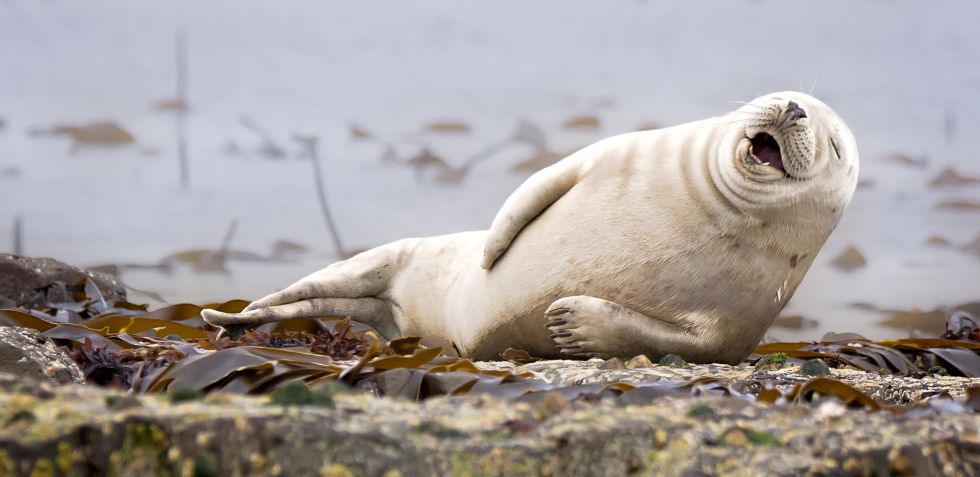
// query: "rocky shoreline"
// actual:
[[100, 386], [74, 429], [83, 430]]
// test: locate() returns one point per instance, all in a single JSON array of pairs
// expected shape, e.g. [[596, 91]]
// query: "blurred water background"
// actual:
[[403, 95]]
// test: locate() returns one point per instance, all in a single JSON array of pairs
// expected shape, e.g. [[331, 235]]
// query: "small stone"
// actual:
[[119, 402], [292, 394], [701, 409], [23, 415], [613, 363], [335, 470], [552, 403], [899, 463], [814, 367], [185, 394], [771, 362], [639, 361], [258, 460], [204, 466], [518, 356], [937, 371], [761, 438], [297, 393], [851, 465], [735, 437], [672, 360]]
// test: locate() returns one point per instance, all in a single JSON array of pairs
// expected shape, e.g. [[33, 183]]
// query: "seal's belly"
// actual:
[[594, 243]]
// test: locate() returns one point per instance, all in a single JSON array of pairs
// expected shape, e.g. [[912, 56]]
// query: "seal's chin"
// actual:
[[765, 151]]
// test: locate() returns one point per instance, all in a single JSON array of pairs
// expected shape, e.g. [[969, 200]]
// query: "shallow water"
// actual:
[[903, 74]]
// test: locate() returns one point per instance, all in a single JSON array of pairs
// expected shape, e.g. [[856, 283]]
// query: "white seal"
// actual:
[[686, 240]]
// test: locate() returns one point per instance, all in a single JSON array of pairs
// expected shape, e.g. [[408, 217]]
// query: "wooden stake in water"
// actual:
[[18, 237], [949, 126], [181, 112], [310, 144]]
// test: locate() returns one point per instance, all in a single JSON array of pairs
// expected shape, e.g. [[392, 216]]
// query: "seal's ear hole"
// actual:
[[833, 145]]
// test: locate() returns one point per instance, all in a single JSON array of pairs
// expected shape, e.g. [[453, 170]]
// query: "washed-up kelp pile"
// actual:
[[904, 357], [172, 350]]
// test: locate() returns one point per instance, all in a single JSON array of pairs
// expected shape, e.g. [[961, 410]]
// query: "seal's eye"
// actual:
[[833, 145]]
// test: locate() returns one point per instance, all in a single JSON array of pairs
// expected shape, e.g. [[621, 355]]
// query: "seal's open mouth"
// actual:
[[765, 151]]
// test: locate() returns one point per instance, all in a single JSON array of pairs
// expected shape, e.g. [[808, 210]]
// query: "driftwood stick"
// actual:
[[222, 253], [310, 144]]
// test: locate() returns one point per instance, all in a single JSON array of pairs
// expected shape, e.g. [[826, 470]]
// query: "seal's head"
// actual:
[[793, 135], [787, 159], [789, 147]]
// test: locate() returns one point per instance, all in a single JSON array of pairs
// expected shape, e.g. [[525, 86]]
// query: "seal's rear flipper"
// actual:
[[535, 195], [370, 311], [364, 275], [348, 288]]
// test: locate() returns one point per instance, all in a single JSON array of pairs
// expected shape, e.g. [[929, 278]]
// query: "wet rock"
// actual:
[[962, 325], [19, 384], [25, 352], [672, 360], [937, 371], [29, 282], [815, 367]]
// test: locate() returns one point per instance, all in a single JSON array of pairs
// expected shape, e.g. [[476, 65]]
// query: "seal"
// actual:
[[686, 240]]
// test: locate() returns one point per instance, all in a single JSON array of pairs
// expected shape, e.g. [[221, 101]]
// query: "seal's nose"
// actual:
[[794, 111]]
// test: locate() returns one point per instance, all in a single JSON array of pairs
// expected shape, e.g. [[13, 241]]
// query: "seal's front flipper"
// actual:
[[585, 326], [531, 199]]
